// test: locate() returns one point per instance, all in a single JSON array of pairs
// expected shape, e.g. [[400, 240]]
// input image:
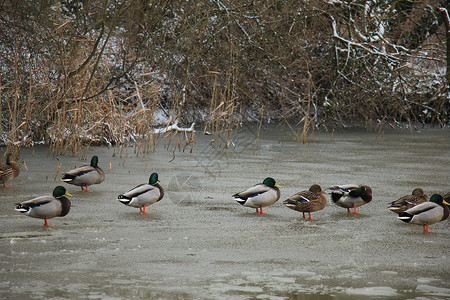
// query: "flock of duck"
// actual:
[[415, 208]]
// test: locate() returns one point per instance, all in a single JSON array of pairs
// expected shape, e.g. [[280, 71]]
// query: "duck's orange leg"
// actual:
[[356, 212], [46, 223], [426, 229], [261, 211], [142, 209], [310, 216]]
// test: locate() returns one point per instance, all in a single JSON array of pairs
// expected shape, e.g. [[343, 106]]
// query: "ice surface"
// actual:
[[198, 243]]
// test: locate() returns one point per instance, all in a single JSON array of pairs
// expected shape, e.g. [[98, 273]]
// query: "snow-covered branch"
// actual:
[[447, 17], [174, 127], [138, 95], [370, 48]]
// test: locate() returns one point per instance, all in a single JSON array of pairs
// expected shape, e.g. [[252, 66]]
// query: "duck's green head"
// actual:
[[270, 182], [357, 192], [436, 198], [94, 161], [153, 178], [60, 191]]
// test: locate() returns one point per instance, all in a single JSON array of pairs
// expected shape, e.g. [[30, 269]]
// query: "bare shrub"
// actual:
[[77, 73]]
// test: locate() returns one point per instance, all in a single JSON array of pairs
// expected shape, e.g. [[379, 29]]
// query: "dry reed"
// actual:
[[71, 84], [223, 118]]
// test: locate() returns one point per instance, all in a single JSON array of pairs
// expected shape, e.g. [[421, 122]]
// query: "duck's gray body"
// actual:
[[259, 195], [342, 195], [142, 195], [85, 175], [425, 213], [45, 207]]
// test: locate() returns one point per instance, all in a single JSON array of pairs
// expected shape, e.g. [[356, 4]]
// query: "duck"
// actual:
[[446, 197], [10, 170], [260, 195], [351, 195], [144, 194], [406, 202], [47, 207], [427, 213], [85, 176], [307, 201]]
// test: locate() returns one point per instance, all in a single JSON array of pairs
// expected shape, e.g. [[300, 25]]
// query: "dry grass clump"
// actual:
[[222, 119], [120, 118]]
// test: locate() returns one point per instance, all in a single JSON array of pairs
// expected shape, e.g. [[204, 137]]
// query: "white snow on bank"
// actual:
[[174, 127]]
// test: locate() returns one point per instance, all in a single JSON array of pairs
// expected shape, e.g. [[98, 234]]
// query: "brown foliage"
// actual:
[[78, 72]]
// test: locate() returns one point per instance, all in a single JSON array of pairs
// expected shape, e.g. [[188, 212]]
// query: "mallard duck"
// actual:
[[351, 195], [144, 194], [307, 201], [10, 170], [47, 207], [85, 176], [260, 195], [406, 202], [427, 213]]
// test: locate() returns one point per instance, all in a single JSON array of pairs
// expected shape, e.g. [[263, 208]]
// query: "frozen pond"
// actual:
[[200, 244]]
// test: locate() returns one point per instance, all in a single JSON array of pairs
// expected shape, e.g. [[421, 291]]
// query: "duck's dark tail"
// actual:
[[336, 195], [124, 199], [290, 203], [21, 208], [67, 178], [405, 217], [241, 200]]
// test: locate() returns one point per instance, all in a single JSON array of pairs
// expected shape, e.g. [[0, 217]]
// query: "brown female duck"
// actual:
[[406, 202], [307, 201], [10, 170]]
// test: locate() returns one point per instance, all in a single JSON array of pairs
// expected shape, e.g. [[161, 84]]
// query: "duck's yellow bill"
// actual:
[[278, 186], [67, 194], [445, 202]]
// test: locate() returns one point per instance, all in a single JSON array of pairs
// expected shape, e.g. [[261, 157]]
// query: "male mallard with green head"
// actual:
[[307, 201], [144, 194], [10, 170], [85, 176], [351, 195], [406, 202], [47, 207], [260, 195], [427, 213]]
